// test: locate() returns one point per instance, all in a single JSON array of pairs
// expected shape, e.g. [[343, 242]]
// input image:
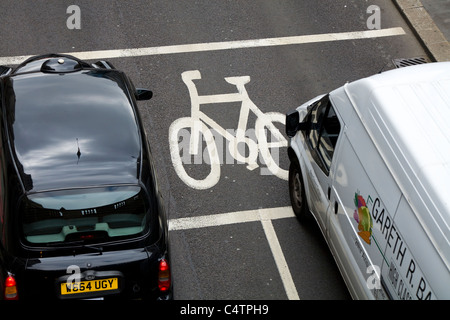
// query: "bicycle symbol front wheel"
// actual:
[[185, 126]]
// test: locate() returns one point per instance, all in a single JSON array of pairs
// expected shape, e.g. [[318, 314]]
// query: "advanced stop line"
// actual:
[[225, 45], [221, 219]]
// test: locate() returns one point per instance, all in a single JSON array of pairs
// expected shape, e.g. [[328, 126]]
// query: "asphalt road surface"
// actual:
[[232, 236]]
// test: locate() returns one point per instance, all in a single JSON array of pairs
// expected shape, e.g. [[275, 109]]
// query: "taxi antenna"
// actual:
[[78, 152]]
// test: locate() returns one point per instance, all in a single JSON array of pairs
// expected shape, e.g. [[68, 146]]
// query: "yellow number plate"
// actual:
[[89, 286]]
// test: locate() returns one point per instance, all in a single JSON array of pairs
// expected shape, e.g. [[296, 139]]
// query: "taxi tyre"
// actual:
[[297, 190]]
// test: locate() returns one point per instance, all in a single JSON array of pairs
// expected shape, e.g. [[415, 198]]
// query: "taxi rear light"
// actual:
[[11, 288], [163, 275]]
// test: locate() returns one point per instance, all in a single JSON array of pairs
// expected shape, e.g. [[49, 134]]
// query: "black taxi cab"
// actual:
[[81, 215]]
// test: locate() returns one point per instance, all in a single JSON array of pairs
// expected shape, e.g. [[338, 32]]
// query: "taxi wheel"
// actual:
[[297, 190]]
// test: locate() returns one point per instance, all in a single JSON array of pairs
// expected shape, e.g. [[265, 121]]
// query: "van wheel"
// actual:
[[297, 190]]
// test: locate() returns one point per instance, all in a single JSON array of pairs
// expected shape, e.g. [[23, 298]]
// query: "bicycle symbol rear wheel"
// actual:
[[213, 176]]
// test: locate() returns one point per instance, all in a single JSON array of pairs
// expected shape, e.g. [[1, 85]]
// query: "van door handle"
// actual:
[[336, 207]]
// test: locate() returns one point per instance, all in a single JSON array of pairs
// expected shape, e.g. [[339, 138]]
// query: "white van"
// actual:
[[371, 162]]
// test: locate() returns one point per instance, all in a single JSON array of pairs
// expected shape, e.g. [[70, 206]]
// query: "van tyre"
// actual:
[[297, 190]]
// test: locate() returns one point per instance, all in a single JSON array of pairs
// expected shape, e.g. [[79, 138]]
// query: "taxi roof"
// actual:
[[72, 130], [406, 112]]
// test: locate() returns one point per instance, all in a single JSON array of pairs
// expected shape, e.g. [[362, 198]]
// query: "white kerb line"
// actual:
[[224, 45], [265, 216]]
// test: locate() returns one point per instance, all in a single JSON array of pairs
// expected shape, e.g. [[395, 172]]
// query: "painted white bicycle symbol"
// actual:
[[197, 124]]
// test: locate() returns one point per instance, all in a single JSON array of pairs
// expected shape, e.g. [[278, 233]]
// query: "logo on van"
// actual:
[[363, 218]]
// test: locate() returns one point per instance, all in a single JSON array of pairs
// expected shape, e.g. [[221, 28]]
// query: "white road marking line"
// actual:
[[224, 45], [220, 219], [265, 216], [280, 261]]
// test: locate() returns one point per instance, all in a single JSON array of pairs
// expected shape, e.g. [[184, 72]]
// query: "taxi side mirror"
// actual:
[[143, 94]]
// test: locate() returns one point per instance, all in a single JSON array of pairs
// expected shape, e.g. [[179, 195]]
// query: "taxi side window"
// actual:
[[323, 133]]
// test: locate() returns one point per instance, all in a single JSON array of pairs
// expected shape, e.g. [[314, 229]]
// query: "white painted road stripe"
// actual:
[[221, 219], [226, 45], [265, 216], [277, 252]]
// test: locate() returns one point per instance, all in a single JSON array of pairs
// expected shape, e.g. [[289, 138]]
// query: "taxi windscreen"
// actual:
[[91, 215]]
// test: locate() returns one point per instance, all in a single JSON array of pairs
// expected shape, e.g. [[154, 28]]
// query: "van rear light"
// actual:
[[11, 288], [163, 276]]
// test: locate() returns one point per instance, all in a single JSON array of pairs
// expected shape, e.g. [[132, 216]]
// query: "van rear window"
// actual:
[[92, 215]]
